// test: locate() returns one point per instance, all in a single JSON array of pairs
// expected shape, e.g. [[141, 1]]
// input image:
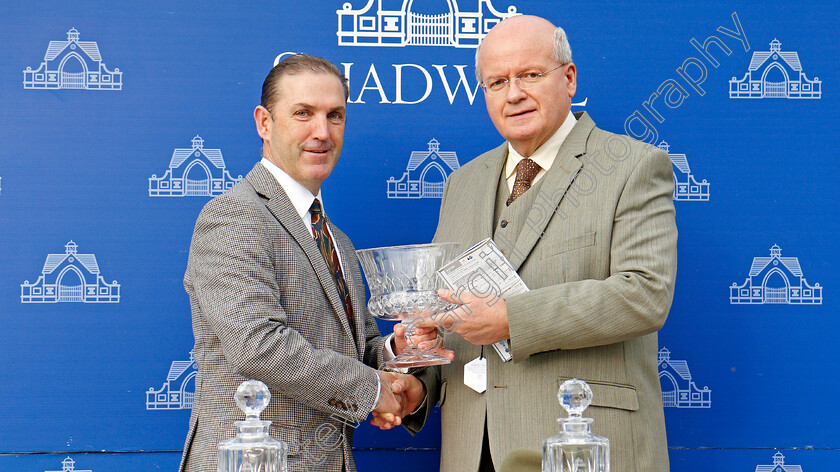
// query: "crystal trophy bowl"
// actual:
[[403, 284], [575, 449], [252, 450]]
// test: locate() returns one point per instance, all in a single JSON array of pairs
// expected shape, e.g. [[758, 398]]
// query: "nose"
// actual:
[[320, 128], [514, 91]]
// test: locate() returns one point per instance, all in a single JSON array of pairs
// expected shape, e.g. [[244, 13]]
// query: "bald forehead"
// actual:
[[520, 23], [522, 30], [539, 29]]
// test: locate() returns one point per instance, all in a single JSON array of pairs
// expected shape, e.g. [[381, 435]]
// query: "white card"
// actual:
[[475, 374], [485, 270]]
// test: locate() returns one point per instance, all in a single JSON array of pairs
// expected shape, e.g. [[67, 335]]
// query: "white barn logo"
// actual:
[[775, 74], [70, 277], [425, 175], [678, 389], [397, 23], [193, 172], [778, 465], [178, 391], [775, 280], [68, 465], [72, 64], [686, 188]]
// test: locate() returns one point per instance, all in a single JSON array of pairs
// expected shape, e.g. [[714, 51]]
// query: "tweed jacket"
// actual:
[[264, 306], [597, 246]]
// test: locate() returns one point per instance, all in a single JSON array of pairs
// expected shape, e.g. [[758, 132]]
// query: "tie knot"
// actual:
[[527, 169], [315, 209]]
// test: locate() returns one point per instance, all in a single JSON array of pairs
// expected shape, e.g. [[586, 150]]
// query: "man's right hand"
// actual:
[[386, 414]]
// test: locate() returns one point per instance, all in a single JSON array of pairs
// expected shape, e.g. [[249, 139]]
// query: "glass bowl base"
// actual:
[[408, 359]]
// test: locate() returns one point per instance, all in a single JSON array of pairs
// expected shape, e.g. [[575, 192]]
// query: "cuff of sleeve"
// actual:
[[388, 352], [378, 394], [388, 356]]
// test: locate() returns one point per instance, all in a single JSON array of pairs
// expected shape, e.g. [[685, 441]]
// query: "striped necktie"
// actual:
[[328, 250]]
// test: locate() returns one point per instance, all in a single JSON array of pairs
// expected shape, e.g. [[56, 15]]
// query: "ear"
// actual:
[[571, 78], [262, 118]]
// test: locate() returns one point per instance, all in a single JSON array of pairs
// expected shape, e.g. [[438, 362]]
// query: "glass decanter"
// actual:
[[575, 449], [252, 450]]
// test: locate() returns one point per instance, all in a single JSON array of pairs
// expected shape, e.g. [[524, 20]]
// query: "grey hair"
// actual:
[[562, 50]]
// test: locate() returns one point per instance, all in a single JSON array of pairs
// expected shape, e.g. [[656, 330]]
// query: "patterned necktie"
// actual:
[[526, 170], [328, 250]]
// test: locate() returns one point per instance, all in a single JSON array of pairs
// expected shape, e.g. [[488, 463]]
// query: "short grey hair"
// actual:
[[562, 50]]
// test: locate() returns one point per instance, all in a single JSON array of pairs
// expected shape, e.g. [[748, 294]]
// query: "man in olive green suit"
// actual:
[[586, 217]]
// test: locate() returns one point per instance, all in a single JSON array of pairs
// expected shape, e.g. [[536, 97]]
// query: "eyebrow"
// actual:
[[308, 106]]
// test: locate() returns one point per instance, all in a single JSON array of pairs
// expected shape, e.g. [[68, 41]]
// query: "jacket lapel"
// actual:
[[556, 183], [281, 207], [487, 183]]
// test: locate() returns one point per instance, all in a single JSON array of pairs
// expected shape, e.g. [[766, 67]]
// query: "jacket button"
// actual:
[[503, 223]]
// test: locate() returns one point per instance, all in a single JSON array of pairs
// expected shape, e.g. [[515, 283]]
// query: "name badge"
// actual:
[[475, 374]]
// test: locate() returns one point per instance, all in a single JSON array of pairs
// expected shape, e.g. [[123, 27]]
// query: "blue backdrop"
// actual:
[[119, 121]]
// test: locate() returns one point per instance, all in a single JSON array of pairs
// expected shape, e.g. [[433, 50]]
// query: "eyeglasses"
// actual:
[[523, 80]]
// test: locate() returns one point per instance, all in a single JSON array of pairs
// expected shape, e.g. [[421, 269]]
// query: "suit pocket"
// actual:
[[613, 395], [567, 245]]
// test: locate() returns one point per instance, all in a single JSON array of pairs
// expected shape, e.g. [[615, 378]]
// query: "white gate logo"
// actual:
[[775, 74], [450, 27], [678, 389], [193, 172], [686, 188], [778, 465], [425, 175], [178, 391], [70, 277], [775, 280], [72, 64], [68, 465]]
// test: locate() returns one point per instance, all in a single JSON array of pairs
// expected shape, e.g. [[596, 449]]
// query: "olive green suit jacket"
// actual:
[[597, 246]]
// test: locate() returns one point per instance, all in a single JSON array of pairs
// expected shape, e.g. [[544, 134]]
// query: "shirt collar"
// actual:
[[300, 196], [545, 154]]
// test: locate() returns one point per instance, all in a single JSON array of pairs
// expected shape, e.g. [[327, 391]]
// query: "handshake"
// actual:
[[401, 394]]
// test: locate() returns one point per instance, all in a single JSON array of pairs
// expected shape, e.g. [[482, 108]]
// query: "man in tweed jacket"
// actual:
[[592, 235], [265, 304]]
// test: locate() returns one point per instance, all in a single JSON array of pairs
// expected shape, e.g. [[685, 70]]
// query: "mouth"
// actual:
[[520, 113]]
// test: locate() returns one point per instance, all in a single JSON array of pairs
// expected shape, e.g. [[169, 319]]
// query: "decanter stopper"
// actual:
[[575, 396], [575, 448], [252, 449], [252, 397]]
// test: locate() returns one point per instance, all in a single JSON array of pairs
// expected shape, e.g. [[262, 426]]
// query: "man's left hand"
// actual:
[[481, 321], [425, 339]]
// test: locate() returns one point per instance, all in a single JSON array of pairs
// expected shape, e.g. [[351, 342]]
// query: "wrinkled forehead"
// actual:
[[514, 55]]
